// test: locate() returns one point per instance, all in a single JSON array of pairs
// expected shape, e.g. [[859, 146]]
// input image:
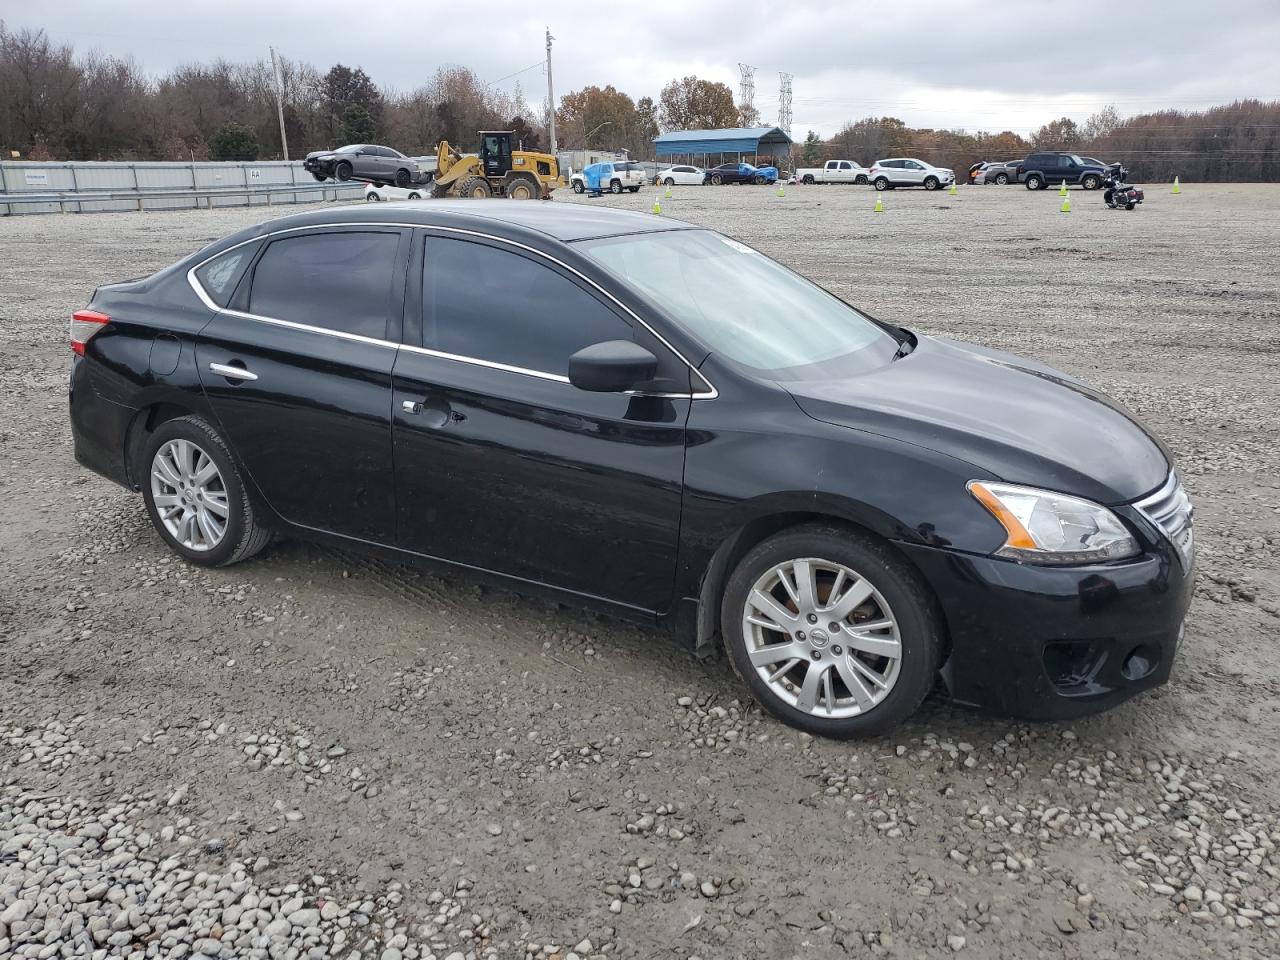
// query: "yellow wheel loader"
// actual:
[[498, 171]]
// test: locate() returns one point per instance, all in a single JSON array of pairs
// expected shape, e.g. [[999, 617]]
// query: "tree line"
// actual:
[[1238, 141], [58, 104]]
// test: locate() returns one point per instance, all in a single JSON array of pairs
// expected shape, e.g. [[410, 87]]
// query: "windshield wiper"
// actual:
[[906, 346]]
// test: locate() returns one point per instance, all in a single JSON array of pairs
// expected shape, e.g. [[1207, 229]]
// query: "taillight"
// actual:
[[84, 324]]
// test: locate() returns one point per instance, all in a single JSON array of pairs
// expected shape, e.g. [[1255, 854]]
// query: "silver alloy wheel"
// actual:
[[822, 638], [189, 494]]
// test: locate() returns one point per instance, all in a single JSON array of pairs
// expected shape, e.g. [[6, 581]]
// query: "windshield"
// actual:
[[350, 148], [744, 306]]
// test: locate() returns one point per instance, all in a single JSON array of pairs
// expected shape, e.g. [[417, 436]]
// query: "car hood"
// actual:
[[1012, 418]]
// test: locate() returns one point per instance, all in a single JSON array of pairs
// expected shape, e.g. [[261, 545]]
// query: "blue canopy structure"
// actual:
[[734, 141]]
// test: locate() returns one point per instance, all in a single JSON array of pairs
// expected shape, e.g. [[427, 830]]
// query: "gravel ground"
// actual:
[[318, 754]]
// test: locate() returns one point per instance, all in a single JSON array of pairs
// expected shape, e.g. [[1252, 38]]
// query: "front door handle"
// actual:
[[232, 372], [411, 406]]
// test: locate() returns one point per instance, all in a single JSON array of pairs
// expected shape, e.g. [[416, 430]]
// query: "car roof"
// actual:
[[516, 219]]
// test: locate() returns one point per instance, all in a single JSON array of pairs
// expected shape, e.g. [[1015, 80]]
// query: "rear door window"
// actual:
[[339, 281]]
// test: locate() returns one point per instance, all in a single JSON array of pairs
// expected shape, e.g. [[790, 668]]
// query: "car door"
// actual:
[[912, 172], [297, 370], [844, 172], [501, 463]]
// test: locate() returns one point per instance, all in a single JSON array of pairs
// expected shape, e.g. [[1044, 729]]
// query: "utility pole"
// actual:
[[551, 97], [275, 69]]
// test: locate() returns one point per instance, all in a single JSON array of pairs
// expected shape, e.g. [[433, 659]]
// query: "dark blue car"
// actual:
[[733, 173]]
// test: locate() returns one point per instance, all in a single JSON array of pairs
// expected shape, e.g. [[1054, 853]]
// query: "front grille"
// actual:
[[1169, 508]]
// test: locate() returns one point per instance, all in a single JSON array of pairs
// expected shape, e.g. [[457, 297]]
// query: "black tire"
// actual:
[[808, 178], [669, 182], [931, 183], [476, 188], [1035, 181], [322, 177], [860, 180], [1002, 178], [615, 186], [759, 180], [578, 187], [1130, 206], [439, 190], [522, 188], [403, 178], [1091, 182], [244, 536], [342, 171], [716, 180], [372, 197], [882, 183], [634, 189], [415, 196], [912, 602]]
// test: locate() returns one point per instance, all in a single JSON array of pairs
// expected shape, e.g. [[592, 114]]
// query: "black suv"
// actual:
[[1041, 169]]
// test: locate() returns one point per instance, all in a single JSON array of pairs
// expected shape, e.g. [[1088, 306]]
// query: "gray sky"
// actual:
[[1002, 67]]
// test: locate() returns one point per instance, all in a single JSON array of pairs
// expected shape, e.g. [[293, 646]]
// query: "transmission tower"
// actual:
[[784, 103], [747, 88]]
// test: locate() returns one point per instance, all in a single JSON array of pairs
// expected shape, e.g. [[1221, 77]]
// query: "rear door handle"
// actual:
[[232, 372]]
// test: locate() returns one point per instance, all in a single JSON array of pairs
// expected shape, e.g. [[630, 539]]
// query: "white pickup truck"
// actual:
[[834, 171]]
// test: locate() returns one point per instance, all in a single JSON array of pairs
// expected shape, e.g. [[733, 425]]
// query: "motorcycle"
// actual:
[[1118, 193]]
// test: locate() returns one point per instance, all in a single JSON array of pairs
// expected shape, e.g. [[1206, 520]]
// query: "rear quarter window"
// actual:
[[220, 275]]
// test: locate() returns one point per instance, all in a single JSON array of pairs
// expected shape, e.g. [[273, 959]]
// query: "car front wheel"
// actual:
[[578, 186], [833, 632], [668, 182], [195, 497], [931, 183], [1091, 182]]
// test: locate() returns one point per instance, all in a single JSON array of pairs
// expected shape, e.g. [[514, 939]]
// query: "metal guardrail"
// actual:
[[198, 196]]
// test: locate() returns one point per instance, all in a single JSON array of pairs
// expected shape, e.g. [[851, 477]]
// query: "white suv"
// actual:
[[624, 175], [909, 172]]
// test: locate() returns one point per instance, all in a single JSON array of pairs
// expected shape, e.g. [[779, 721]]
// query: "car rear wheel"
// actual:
[[1035, 182], [808, 178], [833, 632], [882, 183], [415, 196], [319, 176], [1002, 179], [342, 171], [195, 497], [634, 189], [931, 183], [372, 197], [1090, 182], [403, 178]]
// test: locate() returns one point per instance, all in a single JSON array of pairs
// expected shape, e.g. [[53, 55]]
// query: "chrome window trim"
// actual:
[[709, 394]]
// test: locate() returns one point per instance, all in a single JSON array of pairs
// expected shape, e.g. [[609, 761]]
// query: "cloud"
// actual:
[[993, 66]]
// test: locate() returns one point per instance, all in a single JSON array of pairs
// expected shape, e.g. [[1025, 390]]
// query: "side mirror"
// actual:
[[614, 366]]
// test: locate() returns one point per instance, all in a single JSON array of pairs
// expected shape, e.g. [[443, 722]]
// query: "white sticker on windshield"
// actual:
[[740, 247]]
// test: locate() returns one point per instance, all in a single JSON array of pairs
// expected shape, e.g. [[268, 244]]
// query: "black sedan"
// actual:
[[734, 173], [658, 421]]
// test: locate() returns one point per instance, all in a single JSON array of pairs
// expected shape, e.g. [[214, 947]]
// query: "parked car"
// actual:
[[853, 508], [615, 176], [999, 173], [374, 192], [909, 172], [977, 169], [681, 174], [1041, 169], [735, 173], [834, 171], [363, 161]]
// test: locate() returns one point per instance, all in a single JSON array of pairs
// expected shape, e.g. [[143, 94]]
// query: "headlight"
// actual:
[[1053, 528]]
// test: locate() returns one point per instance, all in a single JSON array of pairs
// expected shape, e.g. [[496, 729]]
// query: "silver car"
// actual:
[[363, 161], [1000, 173]]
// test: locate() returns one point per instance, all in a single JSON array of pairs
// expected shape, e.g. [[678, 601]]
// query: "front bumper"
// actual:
[[1053, 643]]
